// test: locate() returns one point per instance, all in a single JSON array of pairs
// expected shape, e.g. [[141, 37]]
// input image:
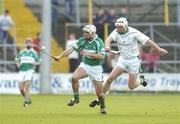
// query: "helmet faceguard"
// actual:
[[121, 22], [89, 29]]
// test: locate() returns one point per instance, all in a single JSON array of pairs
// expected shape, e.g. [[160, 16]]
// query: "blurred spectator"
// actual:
[[5, 24], [152, 58], [99, 20], [55, 13], [124, 12], [69, 9], [110, 61], [73, 57], [111, 18], [37, 41]]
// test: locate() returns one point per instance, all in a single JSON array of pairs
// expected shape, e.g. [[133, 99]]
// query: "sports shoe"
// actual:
[[72, 102], [94, 103], [103, 111], [144, 83], [27, 103]]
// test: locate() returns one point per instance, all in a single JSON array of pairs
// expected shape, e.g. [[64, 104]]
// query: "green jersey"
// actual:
[[26, 59], [94, 46]]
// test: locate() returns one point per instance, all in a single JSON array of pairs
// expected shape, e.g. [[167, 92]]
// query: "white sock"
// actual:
[[139, 81]]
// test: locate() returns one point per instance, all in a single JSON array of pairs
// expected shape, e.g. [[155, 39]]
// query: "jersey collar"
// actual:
[[28, 49]]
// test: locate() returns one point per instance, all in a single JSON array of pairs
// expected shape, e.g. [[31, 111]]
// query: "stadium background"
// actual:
[[157, 103]]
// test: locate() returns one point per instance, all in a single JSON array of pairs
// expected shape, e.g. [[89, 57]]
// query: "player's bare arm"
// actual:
[[108, 43], [156, 47], [97, 56], [36, 63], [64, 54], [17, 64]]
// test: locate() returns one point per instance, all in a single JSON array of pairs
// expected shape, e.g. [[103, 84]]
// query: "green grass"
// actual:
[[122, 109]]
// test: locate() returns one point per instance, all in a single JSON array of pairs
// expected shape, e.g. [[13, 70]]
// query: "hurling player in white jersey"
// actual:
[[127, 39]]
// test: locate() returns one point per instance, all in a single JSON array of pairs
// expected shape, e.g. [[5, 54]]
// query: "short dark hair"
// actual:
[[6, 11]]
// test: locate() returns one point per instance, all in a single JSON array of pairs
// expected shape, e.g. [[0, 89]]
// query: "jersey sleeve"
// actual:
[[77, 46], [100, 47], [17, 58], [113, 35], [140, 37]]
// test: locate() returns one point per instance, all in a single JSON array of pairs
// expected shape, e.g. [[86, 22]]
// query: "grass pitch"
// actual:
[[122, 109]]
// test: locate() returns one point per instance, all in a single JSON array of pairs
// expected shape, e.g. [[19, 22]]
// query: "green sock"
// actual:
[[26, 100], [76, 96], [101, 101]]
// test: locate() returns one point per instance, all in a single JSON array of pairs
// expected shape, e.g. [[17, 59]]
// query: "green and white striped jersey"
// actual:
[[26, 59], [94, 46]]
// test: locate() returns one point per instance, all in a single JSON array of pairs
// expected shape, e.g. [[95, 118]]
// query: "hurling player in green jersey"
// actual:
[[26, 61], [91, 48]]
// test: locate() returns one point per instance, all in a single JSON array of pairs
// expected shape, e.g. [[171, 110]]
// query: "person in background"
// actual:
[[73, 57], [55, 8], [152, 57], [69, 9], [111, 18], [6, 23], [37, 42], [99, 20], [26, 61]]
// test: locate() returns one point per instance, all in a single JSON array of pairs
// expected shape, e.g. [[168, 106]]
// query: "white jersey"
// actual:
[[5, 22], [128, 42]]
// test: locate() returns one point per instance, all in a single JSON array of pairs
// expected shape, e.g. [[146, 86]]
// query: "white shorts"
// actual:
[[129, 65], [25, 75], [94, 72]]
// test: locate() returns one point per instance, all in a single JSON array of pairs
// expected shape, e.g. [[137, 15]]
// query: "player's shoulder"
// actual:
[[22, 51], [81, 39], [133, 30], [33, 51], [98, 39], [114, 31]]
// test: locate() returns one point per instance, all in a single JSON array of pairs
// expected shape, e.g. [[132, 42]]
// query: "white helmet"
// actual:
[[90, 28], [122, 21]]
